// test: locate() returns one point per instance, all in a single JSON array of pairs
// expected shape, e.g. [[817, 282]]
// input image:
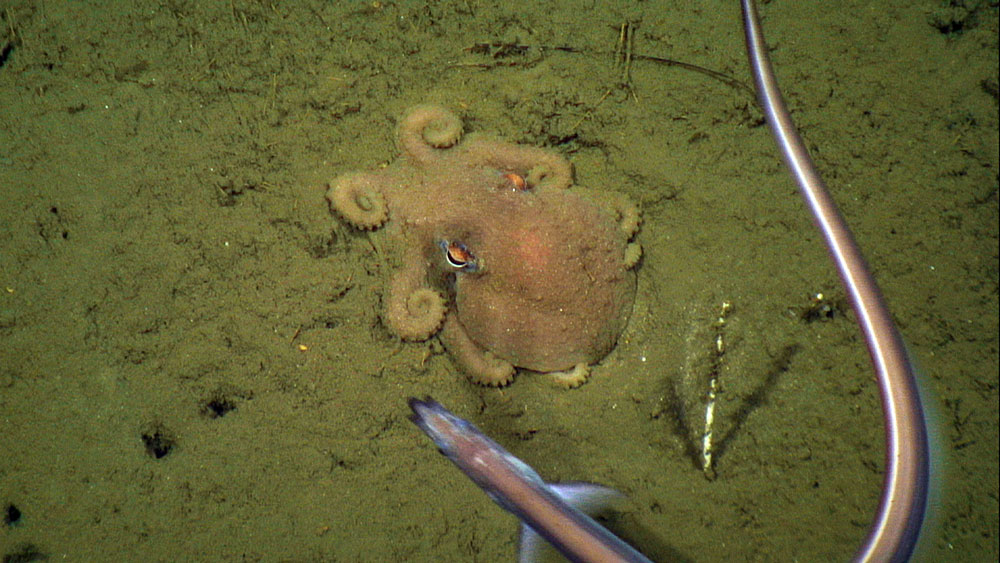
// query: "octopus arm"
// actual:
[[627, 213], [481, 366], [413, 311], [572, 378], [426, 129], [633, 252], [357, 198], [629, 217], [539, 167]]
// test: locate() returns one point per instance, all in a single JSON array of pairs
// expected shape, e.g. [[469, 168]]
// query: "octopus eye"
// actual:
[[458, 256], [516, 181]]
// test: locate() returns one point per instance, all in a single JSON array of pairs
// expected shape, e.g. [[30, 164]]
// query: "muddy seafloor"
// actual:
[[192, 364]]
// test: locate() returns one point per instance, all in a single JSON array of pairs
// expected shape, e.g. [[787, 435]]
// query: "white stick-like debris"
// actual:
[[713, 389]]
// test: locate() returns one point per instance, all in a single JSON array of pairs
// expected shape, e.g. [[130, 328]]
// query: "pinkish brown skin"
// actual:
[[554, 283]]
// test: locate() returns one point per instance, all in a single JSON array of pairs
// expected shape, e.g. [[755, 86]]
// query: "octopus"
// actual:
[[496, 251]]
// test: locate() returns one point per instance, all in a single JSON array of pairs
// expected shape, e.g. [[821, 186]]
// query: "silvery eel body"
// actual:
[[517, 488], [894, 532]]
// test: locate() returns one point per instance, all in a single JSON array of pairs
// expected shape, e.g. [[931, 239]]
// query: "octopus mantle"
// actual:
[[500, 256]]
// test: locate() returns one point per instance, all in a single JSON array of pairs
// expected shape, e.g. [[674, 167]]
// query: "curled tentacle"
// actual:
[[627, 213], [413, 311], [629, 217], [481, 366], [573, 378], [552, 172], [427, 128], [633, 252], [355, 197], [540, 168]]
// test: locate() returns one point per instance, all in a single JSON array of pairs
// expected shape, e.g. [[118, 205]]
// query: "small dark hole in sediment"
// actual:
[[158, 443], [25, 553], [217, 407], [11, 515], [223, 401]]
